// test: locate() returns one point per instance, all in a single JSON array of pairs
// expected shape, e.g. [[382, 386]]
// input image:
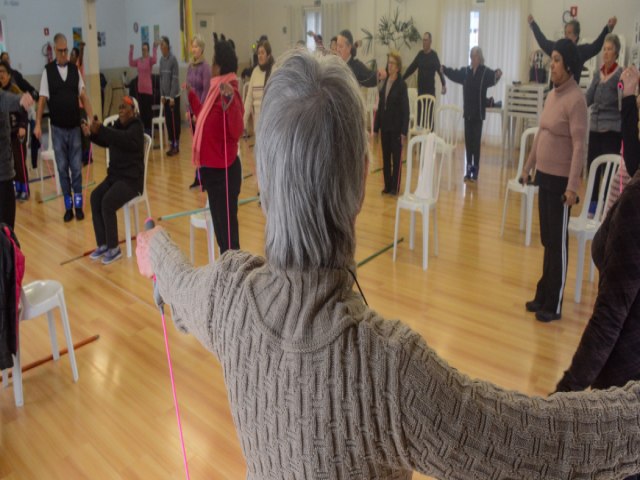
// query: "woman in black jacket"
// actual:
[[392, 119], [475, 80], [125, 176]]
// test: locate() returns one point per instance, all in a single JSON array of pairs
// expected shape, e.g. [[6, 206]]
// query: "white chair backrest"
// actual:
[[372, 98], [413, 98], [147, 148], [425, 105], [426, 145], [448, 124], [49, 137], [161, 111], [611, 164], [529, 132]]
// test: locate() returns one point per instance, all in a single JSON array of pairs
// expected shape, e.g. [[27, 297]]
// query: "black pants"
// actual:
[[472, 140], [554, 220], [172, 118], [106, 200], [214, 182], [601, 143], [391, 160], [7, 203], [145, 102], [19, 150]]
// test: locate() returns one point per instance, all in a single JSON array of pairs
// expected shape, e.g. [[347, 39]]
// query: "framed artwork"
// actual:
[[3, 34], [144, 33], [77, 36]]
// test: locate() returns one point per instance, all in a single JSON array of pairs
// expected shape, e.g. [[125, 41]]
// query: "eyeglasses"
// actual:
[[63, 51]]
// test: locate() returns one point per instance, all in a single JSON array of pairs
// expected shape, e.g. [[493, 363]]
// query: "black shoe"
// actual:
[[68, 215], [533, 306], [79, 214], [546, 317], [195, 184], [385, 192], [171, 152]]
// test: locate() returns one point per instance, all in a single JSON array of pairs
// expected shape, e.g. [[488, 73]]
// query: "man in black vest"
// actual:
[[61, 87]]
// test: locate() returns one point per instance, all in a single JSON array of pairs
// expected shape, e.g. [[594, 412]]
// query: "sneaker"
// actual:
[[22, 197], [98, 252], [79, 214], [111, 256], [68, 215]]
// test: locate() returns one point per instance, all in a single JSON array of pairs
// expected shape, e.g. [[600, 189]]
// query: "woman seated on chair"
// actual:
[[125, 175], [313, 370]]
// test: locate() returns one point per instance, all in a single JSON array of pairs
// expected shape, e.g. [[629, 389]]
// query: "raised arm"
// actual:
[[455, 75], [545, 45], [411, 68], [130, 139], [629, 117], [590, 50], [132, 62], [456, 427]]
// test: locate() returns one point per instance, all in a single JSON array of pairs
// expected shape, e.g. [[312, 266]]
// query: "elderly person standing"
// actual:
[[170, 94], [144, 66], [347, 51], [428, 64], [198, 79], [602, 97], [258, 81], [475, 80], [558, 154], [215, 144], [392, 120], [61, 86], [342, 391]]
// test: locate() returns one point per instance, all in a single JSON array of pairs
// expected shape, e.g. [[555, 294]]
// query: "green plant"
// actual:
[[392, 32]]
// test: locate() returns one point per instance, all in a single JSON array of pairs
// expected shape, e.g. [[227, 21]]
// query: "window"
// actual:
[[313, 23], [474, 27]]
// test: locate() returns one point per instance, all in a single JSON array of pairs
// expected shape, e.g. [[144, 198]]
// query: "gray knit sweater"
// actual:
[[321, 387], [602, 97], [8, 103]]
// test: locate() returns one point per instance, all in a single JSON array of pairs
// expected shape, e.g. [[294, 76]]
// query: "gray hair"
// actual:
[[615, 40], [59, 36], [477, 50], [197, 38], [311, 147]]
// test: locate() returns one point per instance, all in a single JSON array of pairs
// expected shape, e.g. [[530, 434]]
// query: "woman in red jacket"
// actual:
[[215, 144]]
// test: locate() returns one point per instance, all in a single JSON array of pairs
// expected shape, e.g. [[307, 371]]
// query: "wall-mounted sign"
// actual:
[[135, 27]]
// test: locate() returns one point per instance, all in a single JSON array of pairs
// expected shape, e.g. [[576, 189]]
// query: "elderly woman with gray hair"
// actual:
[[320, 385]]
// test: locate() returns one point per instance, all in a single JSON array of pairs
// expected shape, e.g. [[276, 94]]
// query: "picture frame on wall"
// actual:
[[3, 34], [144, 34]]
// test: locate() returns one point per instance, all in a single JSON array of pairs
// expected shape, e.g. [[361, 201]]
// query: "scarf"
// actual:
[[212, 97], [608, 71]]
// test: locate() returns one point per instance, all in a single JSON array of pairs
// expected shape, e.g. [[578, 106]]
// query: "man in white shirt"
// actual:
[[61, 87]]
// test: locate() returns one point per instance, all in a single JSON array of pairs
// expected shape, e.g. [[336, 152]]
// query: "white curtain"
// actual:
[[502, 38], [337, 16], [454, 50]]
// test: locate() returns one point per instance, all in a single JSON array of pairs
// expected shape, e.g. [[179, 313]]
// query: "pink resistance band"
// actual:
[[226, 170], [24, 168]]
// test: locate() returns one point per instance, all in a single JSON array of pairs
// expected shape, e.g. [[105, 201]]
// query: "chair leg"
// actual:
[[5, 378], [210, 241], [17, 379], [580, 269], [395, 233], [523, 211], [412, 229], [425, 240], [530, 195], [127, 229], [52, 335], [592, 271], [449, 168], [136, 218], [504, 211], [435, 231], [67, 335]]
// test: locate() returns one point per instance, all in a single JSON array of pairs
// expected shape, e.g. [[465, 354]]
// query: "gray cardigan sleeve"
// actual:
[[456, 427], [9, 102]]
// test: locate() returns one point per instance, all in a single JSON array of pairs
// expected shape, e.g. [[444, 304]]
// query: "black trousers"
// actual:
[[19, 150], [391, 160], [145, 102], [172, 118], [601, 143], [554, 221], [214, 182], [472, 140], [106, 200], [7, 203]]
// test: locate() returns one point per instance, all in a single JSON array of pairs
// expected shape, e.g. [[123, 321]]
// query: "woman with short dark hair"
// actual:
[[257, 83], [215, 144], [144, 65]]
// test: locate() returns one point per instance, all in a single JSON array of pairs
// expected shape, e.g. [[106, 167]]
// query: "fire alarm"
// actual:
[[46, 32], [574, 11]]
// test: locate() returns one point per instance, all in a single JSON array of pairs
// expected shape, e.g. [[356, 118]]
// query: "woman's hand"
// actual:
[[95, 125], [226, 90], [22, 132], [571, 198], [143, 252], [629, 79]]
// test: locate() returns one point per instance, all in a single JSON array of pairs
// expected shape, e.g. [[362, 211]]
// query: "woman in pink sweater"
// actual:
[[558, 153], [215, 144], [144, 65]]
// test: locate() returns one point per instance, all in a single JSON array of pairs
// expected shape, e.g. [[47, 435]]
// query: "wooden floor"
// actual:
[[118, 420]]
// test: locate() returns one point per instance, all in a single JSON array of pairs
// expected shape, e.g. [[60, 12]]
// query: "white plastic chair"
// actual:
[[36, 299], [423, 199], [133, 203], [108, 122], [202, 220], [158, 122], [448, 126], [585, 228], [528, 192], [49, 155], [413, 98], [425, 110]]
